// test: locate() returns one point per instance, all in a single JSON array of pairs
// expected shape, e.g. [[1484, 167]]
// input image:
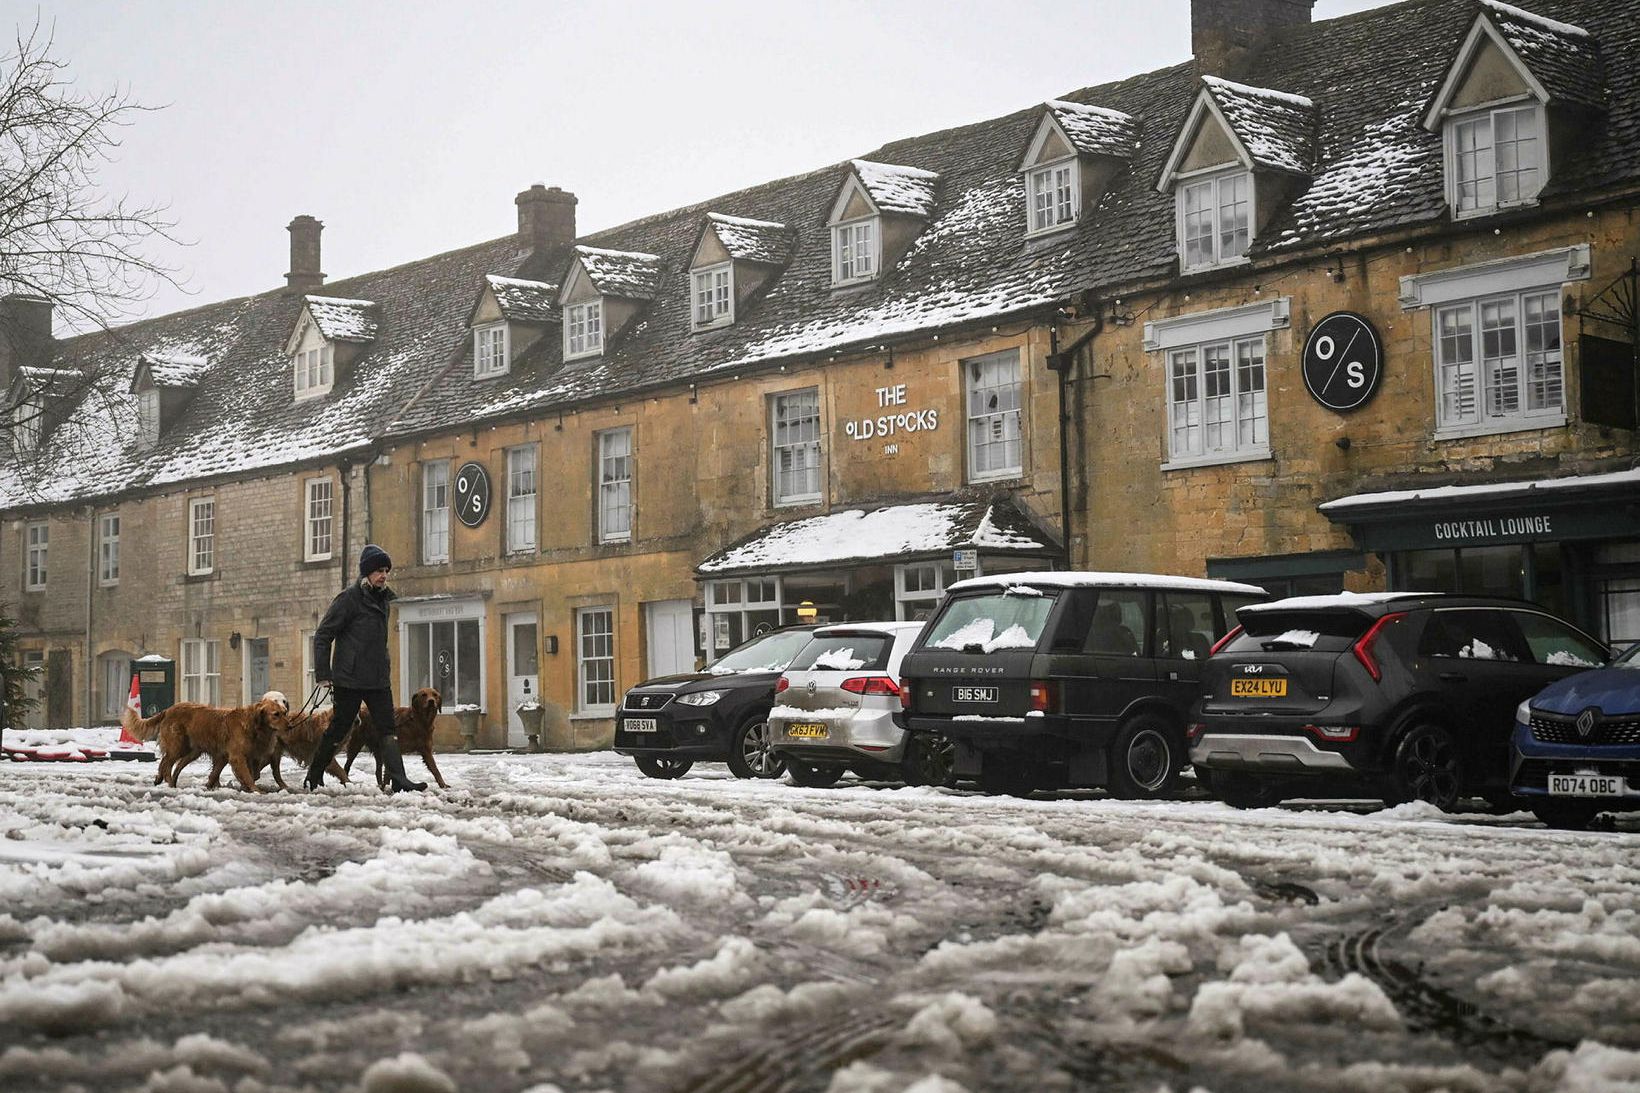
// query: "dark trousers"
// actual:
[[346, 708]]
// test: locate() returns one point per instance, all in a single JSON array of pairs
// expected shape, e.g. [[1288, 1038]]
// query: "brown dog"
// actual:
[[300, 740], [241, 737], [414, 724]]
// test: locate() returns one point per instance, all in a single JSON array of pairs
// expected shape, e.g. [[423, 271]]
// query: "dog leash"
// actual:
[[311, 706]]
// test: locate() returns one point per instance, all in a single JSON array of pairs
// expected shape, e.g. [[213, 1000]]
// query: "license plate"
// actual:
[[1585, 785], [1258, 688], [640, 724], [806, 730], [973, 694]]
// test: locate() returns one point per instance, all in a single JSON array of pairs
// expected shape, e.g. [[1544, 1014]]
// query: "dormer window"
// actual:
[[584, 329], [315, 371], [854, 251], [1495, 159], [26, 418], [490, 352], [148, 418], [1054, 195], [714, 296], [1215, 217]]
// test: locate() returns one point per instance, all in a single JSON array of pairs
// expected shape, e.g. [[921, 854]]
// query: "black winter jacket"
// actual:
[[357, 623]]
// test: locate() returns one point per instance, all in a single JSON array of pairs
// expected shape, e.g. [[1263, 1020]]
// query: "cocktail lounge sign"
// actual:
[[1497, 527]]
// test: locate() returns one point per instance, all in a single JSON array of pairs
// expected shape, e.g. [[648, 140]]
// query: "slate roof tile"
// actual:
[[752, 240], [895, 188], [1277, 129], [525, 301], [632, 275], [1095, 130]]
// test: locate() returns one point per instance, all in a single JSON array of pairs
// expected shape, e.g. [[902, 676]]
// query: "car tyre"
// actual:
[[749, 754], [930, 760], [814, 775], [1145, 759], [1428, 768], [663, 766], [1565, 815]]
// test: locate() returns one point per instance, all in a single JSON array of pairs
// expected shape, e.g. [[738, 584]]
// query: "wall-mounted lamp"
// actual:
[[889, 363], [694, 394], [558, 428], [1118, 317], [233, 640], [1343, 443], [807, 611], [551, 645]]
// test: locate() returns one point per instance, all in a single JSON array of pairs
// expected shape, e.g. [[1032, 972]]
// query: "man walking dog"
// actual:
[[357, 672]]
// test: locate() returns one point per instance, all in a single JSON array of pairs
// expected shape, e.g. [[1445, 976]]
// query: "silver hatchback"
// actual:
[[836, 708]]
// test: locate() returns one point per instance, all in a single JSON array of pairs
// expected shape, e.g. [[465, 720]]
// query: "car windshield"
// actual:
[[768, 653], [1629, 659], [1010, 618]]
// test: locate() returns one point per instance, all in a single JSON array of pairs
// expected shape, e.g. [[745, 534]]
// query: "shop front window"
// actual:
[[444, 655]]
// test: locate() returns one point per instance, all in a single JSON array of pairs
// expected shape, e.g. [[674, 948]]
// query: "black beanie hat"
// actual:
[[373, 558]]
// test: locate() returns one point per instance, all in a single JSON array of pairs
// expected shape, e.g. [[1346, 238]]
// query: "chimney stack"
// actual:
[[25, 336], [1227, 35], [546, 217], [304, 275]]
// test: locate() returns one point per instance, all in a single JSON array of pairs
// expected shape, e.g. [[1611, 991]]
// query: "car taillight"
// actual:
[[1044, 696], [1338, 734], [1222, 642], [1363, 645], [905, 695], [781, 684], [870, 685], [1194, 732]]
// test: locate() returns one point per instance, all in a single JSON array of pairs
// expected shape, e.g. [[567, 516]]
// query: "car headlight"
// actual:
[[1523, 713], [700, 698]]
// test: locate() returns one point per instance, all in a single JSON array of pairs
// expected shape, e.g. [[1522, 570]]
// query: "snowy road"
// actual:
[[560, 922]]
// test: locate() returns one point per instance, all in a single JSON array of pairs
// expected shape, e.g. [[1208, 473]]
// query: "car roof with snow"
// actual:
[[1089, 579]]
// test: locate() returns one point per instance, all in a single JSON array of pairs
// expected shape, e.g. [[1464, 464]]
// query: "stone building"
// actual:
[[1128, 328]]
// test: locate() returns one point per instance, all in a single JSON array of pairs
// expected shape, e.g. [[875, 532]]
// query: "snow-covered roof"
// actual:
[[1277, 129], [632, 275], [341, 320], [1446, 495], [900, 532], [1563, 57], [749, 240], [895, 188], [1090, 579], [174, 369], [524, 301], [1096, 130]]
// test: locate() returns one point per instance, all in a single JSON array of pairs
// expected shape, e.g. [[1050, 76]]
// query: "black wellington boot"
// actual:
[[397, 782], [323, 753]]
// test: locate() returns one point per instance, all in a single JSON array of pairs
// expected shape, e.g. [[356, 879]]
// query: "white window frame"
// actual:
[[783, 444], [115, 688], [989, 428], [591, 625], [615, 492], [36, 554], [1484, 373], [435, 511], [908, 599], [148, 418], [713, 296], [108, 549], [315, 371], [199, 671], [465, 615], [318, 519], [1244, 433], [523, 482], [492, 350], [26, 422], [740, 598], [1054, 189], [1492, 159], [856, 250], [1215, 182], [309, 682], [201, 536], [583, 329]]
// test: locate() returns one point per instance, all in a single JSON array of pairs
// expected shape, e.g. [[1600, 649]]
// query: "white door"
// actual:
[[670, 629], [523, 672]]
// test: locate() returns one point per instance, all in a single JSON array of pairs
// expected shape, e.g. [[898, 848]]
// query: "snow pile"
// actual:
[[407, 1073], [838, 660], [1270, 982], [982, 632]]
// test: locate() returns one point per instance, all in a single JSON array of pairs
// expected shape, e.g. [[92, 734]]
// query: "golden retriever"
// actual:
[[300, 740], [414, 724], [241, 737]]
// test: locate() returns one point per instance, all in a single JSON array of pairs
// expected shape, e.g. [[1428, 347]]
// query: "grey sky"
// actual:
[[408, 127]]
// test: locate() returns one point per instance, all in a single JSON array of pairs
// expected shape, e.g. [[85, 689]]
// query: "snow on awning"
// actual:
[[887, 534], [1362, 505]]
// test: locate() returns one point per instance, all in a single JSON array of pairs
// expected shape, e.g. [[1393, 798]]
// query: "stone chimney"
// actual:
[[1227, 35], [304, 275], [25, 336], [546, 217]]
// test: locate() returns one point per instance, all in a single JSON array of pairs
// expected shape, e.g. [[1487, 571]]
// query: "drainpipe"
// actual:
[[343, 469], [1062, 363], [90, 595]]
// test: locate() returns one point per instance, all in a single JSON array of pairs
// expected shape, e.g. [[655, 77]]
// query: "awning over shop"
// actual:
[[1590, 506], [994, 527]]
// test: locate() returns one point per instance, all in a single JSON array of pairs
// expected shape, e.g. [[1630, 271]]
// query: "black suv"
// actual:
[[669, 723], [1404, 696], [1048, 680]]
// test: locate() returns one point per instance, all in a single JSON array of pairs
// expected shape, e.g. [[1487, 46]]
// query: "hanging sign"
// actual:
[[472, 494], [1343, 361]]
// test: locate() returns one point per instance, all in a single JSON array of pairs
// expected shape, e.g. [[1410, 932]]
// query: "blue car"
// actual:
[[1576, 747]]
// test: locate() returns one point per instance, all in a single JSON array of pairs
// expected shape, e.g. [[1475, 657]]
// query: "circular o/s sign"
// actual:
[[1343, 361], [472, 501]]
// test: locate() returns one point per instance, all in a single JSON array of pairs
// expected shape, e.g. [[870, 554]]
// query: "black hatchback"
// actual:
[[670, 723], [1403, 696]]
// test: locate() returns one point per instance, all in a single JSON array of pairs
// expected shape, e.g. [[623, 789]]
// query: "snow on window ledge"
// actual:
[[1501, 425], [1217, 460]]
